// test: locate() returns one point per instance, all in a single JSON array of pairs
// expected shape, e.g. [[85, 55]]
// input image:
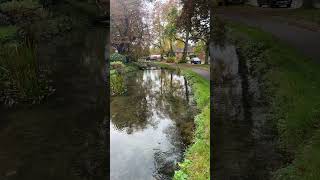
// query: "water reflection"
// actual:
[[150, 126]]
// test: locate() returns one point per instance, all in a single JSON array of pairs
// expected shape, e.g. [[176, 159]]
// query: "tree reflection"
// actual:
[[150, 93]]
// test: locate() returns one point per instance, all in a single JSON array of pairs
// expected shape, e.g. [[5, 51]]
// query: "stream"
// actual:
[[150, 126]]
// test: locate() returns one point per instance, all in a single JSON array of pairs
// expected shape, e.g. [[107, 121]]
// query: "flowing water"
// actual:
[[150, 126]]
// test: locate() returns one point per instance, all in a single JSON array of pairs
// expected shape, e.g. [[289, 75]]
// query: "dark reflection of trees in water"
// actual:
[[154, 96], [173, 101], [130, 112], [166, 96]]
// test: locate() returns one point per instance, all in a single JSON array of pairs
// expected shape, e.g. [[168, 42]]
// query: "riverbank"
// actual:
[[196, 164], [26, 26], [290, 84]]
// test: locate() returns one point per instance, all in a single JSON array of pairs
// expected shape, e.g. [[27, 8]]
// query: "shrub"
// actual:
[[171, 59], [117, 57], [117, 84], [21, 77], [117, 65], [183, 60], [15, 5]]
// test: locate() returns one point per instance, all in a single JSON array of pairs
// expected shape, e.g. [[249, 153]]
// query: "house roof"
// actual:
[[180, 50]]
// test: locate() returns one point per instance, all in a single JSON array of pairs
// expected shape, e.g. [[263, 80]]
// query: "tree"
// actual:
[[185, 23], [195, 20], [129, 31], [164, 28], [170, 30]]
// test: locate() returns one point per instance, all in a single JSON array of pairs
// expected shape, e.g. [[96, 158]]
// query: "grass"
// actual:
[[295, 100], [21, 78], [196, 165], [7, 33]]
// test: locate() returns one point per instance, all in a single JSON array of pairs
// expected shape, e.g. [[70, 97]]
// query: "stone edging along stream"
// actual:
[[196, 164]]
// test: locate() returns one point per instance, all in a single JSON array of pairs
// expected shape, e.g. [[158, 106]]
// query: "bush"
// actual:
[[117, 84], [21, 78], [117, 57], [183, 61], [171, 59], [15, 5], [117, 65]]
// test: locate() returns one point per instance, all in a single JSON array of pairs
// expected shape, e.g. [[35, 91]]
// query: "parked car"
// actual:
[[275, 3], [195, 60]]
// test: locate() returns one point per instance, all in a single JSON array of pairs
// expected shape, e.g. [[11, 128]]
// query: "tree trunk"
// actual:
[[207, 53], [185, 50], [171, 49]]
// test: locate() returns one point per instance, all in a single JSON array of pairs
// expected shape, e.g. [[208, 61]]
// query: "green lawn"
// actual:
[[294, 81]]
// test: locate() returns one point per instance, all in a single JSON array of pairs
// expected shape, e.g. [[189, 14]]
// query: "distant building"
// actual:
[[179, 52], [155, 57]]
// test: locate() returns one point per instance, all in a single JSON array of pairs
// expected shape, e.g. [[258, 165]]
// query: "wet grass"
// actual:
[[21, 79], [7, 33], [196, 165], [294, 85]]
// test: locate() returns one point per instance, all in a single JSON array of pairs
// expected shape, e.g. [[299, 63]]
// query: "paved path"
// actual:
[[202, 71], [195, 68], [305, 39]]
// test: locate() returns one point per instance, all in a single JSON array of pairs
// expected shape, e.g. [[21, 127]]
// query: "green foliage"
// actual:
[[117, 57], [16, 6], [22, 79], [117, 84], [200, 47], [294, 85], [117, 65], [171, 59], [7, 33], [118, 74], [183, 60]]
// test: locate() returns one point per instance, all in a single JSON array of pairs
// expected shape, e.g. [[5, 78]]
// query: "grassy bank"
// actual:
[[196, 165], [292, 84], [118, 75]]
